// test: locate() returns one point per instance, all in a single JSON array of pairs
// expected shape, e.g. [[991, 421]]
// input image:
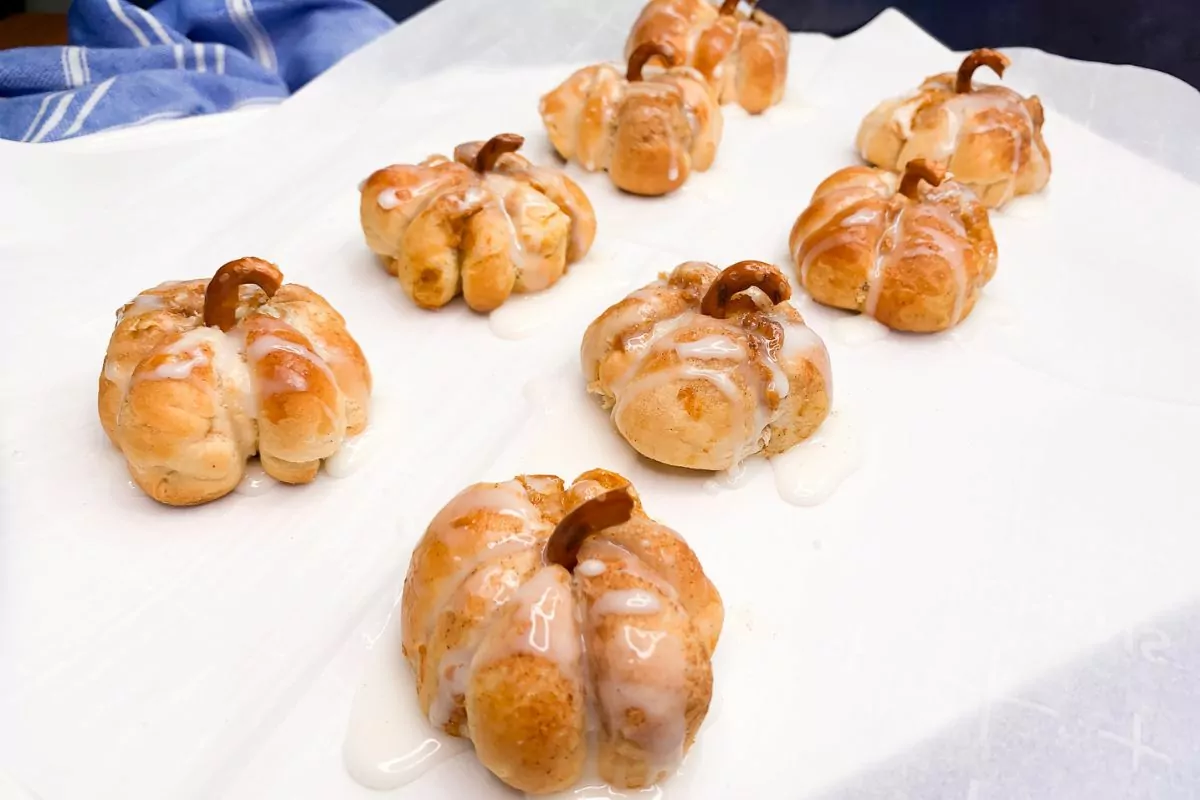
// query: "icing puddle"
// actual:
[[357, 451], [389, 743], [811, 472]]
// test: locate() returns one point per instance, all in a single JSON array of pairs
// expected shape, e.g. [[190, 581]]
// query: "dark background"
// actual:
[[1160, 34]]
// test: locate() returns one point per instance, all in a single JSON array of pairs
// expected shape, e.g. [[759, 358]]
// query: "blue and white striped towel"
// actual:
[[127, 66]]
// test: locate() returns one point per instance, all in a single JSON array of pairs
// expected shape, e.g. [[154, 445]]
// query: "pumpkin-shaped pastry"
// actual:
[[989, 137], [485, 225], [912, 252], [201, 375], [705, 367], [649, 128], [743, 57], [551, 625]]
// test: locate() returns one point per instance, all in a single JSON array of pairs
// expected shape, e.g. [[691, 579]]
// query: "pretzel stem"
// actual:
[[730, 7], [495, 147], [994, 60], [603, 511], [222, 295], [644, 52], [919, 170], [738, 278]]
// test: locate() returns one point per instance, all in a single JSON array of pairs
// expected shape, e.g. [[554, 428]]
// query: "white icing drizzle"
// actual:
[[144, 304], [627, 601], [653, 661], [190, 355], [505, 499], [875, 277], [743, 440], [546, 602], [862, 216], [113, 371], [285, 380], [714, 346], [388, 199], [199, 347], [921, 234], [508, 192], [539, 620], [590, 568]]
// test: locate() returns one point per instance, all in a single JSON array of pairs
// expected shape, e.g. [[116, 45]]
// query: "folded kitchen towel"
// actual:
[[127, 66]]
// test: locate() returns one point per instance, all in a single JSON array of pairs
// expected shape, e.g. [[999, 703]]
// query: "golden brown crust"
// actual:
[[913, 255], [649, 134], [188, 404], [486, 225], [988, 137], [705, 390], [744, 58], [498, 635]]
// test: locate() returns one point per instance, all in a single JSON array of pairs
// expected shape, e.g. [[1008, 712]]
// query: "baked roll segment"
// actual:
[[553, 624], [202, 375], [743, 56], [487, 225], [704, 368], [988, 137], [650, 129]]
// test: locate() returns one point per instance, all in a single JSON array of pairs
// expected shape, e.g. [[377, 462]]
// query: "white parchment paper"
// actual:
[[1000, 603]]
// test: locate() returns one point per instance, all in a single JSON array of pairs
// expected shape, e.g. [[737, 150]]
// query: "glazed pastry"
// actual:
[[650, 131], [743, 57], [543, 622], [201, 375], [989, 137], [704, 367], [913, 252], [485, 225]]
